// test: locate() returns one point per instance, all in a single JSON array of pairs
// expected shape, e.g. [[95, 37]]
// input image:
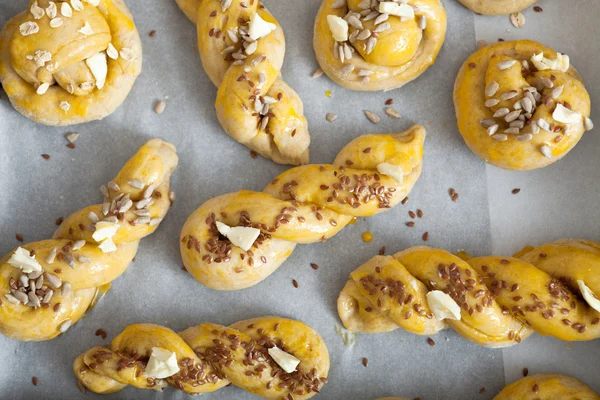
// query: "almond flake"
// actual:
[[126, 54], [97, 64], [65, 106], [112, 52], [338, 27], [86, 29], [43, 88], [566, 116]]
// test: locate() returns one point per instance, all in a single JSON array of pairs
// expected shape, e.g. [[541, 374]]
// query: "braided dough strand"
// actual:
[[254, 105], [502, 299], [547, 387], [305, 204], [401, 53], [82, 269], [51, 66], [210, 357]]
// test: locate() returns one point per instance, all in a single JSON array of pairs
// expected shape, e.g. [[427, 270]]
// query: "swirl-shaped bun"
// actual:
[[305, 204], [520, 105], [46, 286], [65, 63], [501, 300], [242, 47], [210, 357], [547, 387], [378, 48]]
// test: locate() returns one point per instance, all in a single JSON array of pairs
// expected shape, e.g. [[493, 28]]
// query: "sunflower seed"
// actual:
[[347, 68], [517, 124], [492, 88], [364, 34], [24, 281], [113, 186], [513, 115], [371, 15], [338, 4], [422, 22], [588, 124], [491, 102], [364, 5], [517, 19], [545, 149], [84, 259], [486, 123], [535, 128], [371, 42], [67, 324], [512, 131], [492, 129], [33, 299], [547, 82], [104, 191], [141, 220], [70, 260], [501, 112], [509, 95], [225, 4], [382, 27], [501, 137], [392, 112], [506, 64], [525, 137], [66, 289], [142, 213], [355, 22], [365, 79], [155, 221], [143, 203], [557, 91], [365, 72], [263, 123], [11, 298], [381, 18], [542, 123], [149, 191], [105, 208], [51, 256], [526, 104], [347, 51], [34, 274], [136, 184], [374, 118], [251, 48], [330, 117], [112, 219], [318, 73], [78, 244], [20, 296], [53, 280]]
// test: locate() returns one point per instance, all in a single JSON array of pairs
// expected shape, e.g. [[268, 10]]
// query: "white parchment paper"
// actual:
[[556, 202]]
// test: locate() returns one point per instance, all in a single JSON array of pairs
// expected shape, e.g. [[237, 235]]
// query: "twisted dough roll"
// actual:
[[212, 356], [547, 387], [515, 114], [497, 7], [74, 271], [65, 63], [254, 105], [502, 300], [303, 205], [380, 51]]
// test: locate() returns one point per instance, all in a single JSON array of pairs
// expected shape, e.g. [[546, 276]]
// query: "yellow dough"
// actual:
[[507, 108], [547, 387], [380, 51], [497, 7], [305, 204], [75, 269], [67, 63], [501, 300], [210, 357], [254, 104]]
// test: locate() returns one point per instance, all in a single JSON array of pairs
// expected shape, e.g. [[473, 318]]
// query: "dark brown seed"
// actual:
[[295, 283], [472, 65], [71, 145], [152, 33], [515, 191], [404, 200], [365, 361], [253, 154], [35, 380], [431, 342], [45, 156], [389, 102], [455, 197], [411, 214], [426, 236], [367, 150], [538, 9], [382, 251], [410, 224], [535, 388], [314, 266], [419, 213], [482, 390], [525, 371], [102, 333], [59, 221], [19, 237]]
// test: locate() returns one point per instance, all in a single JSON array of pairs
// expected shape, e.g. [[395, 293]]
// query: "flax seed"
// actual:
[[365, 362]]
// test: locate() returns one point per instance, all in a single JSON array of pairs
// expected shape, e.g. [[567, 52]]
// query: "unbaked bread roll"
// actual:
[[306, 204], [497, 7], [65, 63], [242, 47], [520, 105], [492, 301], [372, 45], [271, 357], [547, 387], [47, 286]]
